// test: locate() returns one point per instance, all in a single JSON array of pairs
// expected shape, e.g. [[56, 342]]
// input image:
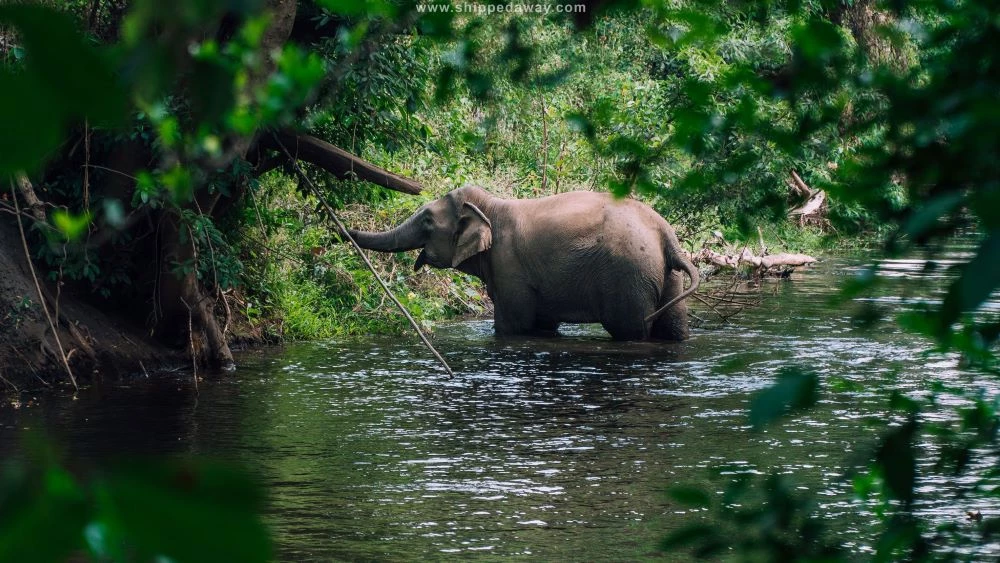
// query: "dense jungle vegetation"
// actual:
[[153, 213], [527, 106]]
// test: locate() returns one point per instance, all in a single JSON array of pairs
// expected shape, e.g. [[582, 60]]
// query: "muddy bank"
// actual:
[[87, 341]]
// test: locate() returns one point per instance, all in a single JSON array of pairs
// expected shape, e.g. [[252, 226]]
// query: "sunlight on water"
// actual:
[[555, 448]]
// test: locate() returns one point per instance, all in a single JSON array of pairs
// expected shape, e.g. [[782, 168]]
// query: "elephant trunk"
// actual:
[[692, 272], [406, 236]]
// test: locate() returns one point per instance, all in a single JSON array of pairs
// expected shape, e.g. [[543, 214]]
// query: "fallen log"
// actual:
[[811, 206], [762, 263], [815, 199]]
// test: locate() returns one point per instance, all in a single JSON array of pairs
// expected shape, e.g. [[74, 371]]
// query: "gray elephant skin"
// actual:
[[575, 257]]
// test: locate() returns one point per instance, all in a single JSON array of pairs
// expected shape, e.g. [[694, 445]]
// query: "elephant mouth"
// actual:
[[421, 260], [431, 260]]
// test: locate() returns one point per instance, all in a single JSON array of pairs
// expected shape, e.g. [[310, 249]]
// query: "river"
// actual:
[[548, 449]]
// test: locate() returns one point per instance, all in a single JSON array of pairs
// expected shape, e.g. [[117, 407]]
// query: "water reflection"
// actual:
[[555, 448]]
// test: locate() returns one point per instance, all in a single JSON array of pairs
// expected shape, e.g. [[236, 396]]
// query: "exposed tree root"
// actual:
[[38, 286]]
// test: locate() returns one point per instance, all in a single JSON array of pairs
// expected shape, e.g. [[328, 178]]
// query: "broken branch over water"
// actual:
[[763, 263]]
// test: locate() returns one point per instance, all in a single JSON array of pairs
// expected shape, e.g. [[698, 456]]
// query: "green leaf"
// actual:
[[818, 39], [71, 226], [690, 496], [990, 527], [896, 458], [29, 129], [187, 511], [178, 182], [370, 8], [64, 79], [926, 215], [795, 390], [979, 278], [42, 514], [687, 535], [581, 124], [65, 65]]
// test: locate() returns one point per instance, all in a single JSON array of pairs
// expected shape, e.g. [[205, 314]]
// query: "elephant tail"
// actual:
[[692, 272]]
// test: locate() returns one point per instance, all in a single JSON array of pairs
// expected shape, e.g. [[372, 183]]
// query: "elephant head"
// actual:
[[450, 230]]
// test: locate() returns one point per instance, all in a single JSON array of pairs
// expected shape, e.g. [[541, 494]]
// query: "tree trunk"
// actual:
[[184, 295]]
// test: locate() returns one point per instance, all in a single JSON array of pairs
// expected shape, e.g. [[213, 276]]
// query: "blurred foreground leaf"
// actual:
[[64, 79], [979, 278], [178, 510], [795, 390]]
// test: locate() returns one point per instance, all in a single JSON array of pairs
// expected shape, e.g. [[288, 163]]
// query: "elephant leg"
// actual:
[[514, 314], [626, 321], [546, 327], [631, 330], [673, 323]]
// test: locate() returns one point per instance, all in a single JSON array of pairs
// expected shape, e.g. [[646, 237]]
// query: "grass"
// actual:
[[311, 287]]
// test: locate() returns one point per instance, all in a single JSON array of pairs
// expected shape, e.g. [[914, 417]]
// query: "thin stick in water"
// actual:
[[194, 357], [357, 248]]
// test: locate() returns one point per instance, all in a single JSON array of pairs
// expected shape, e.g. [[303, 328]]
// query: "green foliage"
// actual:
[[760, 519], [795, 391], [49, 91], [216, 260], [704, 112], [185, 106], [70, 226], [909, 143], [183, 510]]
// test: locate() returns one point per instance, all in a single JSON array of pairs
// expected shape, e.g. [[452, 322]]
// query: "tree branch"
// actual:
[[30, 197], [800, 187], [336, 161]]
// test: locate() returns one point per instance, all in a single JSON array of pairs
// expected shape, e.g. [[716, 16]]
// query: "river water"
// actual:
[[549, 449]]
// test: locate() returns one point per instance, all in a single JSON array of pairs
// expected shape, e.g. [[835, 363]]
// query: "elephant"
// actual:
[[574, 257]]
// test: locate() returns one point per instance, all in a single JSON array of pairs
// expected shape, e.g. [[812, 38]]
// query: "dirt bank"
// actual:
[[93, 342]]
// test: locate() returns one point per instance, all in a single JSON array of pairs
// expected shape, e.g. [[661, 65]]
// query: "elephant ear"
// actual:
[[473, 235]]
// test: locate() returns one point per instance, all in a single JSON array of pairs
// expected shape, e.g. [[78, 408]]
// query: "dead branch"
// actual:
[[38, 286], [811, 206], [800, 187], [724, 318], [35, 205], [8, 382], [194, 355], [336, 161], [814, 199], [709, 256], [545, 148]]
